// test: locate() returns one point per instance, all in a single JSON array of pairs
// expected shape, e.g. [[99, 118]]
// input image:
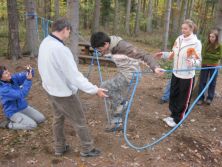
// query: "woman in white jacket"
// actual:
[[186, 54]]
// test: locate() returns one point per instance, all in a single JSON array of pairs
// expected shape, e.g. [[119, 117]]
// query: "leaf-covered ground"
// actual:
[[198, 142]]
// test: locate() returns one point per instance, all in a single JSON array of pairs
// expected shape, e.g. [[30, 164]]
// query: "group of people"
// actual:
[[61, 79]]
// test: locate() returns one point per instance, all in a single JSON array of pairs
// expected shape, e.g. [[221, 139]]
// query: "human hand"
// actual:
[[29, 75], [159, 71], [28, 68], [101, 93], [158, 55]]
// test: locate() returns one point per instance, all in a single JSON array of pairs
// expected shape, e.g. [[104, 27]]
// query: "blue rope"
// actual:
[[190, 69], [173, 129], [101, 80]]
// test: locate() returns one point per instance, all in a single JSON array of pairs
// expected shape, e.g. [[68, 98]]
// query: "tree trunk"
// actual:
[[149, 27], [31, 28], [105, 13], [13, 21], [127, 23], [47, 8], [95, 24], [73, 15], [190, 9], [56, 7], [137, 21], [184, 11], [218, 19], [167, 24], [116, 17], [175, 18], [85, 15]]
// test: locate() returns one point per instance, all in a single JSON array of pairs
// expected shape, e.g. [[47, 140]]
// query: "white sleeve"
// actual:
[[74, 77], [198, 49]]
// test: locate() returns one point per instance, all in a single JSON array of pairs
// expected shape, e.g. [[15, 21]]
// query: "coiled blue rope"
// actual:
[[173, 129]]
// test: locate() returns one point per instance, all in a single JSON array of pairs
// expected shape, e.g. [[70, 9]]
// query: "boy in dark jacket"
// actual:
[[13, 91]]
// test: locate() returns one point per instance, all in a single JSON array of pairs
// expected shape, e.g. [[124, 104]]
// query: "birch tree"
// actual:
[[167, 24]]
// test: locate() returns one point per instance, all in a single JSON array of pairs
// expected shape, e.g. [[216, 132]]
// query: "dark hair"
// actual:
[[215, 44], [60, 24], [98, 39], [2, 69]]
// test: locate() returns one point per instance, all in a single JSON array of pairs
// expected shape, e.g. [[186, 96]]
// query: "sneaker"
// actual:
[[161, 101], [93, 153], [63, 152], [116, 120], [209, 102], [114, 128], [170, 122], [167, 118], [200, 102]]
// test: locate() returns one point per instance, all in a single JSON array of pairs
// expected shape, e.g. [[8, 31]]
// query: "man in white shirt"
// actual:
[[61, 79]]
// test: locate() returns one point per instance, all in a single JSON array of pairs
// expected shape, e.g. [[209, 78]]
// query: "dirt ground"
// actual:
[[197, 143]]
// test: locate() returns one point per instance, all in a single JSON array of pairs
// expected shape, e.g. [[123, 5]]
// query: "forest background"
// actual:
[[155, 23]]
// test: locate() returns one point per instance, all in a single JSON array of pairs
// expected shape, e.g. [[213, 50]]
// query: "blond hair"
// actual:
[[191, 24]]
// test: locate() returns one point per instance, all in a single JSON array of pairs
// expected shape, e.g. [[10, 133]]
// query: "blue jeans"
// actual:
[[166, 93], [203, 81]]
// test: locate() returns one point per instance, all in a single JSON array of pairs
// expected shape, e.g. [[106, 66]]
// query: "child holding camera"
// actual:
[[13, 91]]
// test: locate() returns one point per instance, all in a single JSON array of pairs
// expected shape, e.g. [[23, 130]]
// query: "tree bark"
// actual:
[[31, 28], [137, 21], [73, 15], [167, 24], [47, 8], [13, 21], [116, 17], [56, 7], [95, 24], [218, 19], [149, 27], [127, 27], [175, 18]]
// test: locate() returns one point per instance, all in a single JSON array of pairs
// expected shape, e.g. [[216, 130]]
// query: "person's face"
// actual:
[[6, 76], [212, 38], [66, 33], [104, 48], [186, 30]]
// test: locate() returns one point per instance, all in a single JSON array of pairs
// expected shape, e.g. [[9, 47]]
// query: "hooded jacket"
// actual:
[[12, 94], [185, 49]]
